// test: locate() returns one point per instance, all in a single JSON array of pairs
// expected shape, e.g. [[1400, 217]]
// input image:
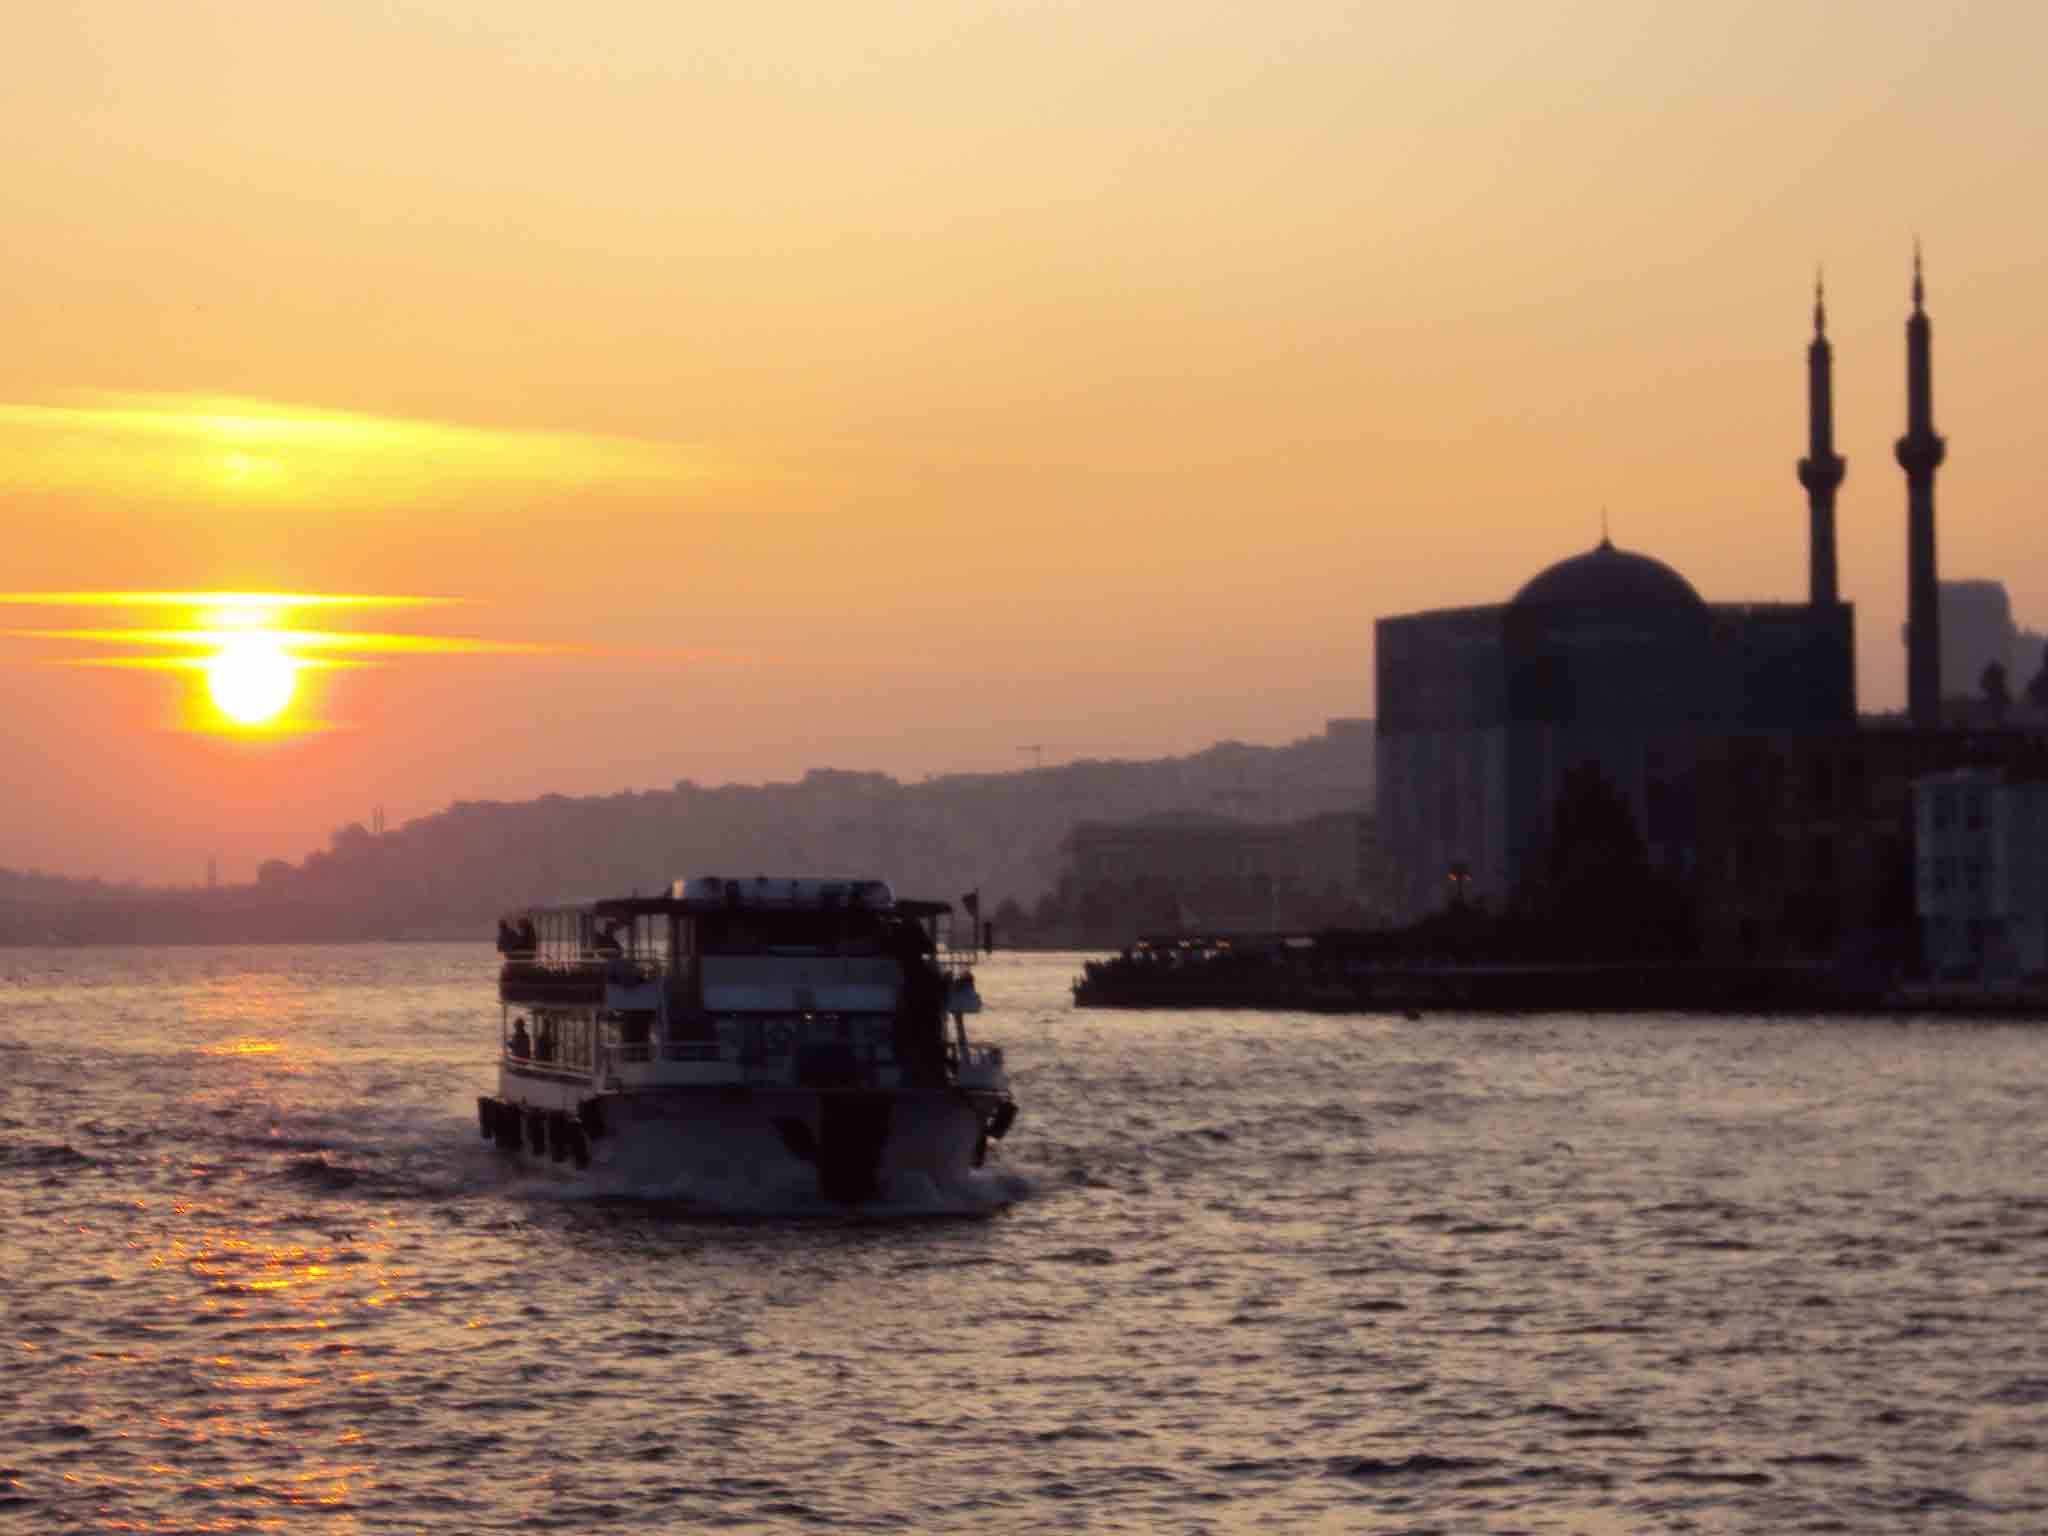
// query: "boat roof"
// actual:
[[763, 893]]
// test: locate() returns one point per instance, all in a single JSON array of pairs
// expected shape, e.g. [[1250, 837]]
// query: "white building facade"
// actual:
[[1981, 875]]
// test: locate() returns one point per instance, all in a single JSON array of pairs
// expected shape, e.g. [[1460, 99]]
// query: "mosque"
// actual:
[[1610, 666]]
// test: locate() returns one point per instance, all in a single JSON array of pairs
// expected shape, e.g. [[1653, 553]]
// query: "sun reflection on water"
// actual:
[[287, 1300], [243, 1045]]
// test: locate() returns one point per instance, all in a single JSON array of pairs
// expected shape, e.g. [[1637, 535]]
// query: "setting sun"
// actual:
[[251, 679], [243, 667]]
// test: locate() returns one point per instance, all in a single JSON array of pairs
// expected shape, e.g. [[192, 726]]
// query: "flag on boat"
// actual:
[[972, 903]]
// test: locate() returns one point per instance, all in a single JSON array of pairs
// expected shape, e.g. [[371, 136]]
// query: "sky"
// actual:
[[898, 386]]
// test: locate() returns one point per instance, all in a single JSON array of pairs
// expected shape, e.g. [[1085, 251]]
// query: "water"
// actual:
[[1233, 1272]]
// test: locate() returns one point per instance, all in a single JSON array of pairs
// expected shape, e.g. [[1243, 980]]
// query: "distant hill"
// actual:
[[35, 907], [448, 875]]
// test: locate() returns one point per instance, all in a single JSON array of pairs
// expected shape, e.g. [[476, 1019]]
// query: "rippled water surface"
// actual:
[[1237, 1271]]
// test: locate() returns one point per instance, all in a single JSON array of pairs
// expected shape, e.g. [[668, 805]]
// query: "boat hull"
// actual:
[[753, 1147]]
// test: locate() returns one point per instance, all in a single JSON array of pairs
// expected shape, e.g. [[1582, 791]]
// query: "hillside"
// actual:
[[451, 873]]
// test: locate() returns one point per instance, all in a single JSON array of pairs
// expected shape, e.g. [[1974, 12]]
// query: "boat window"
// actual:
[[576, 1042], [823, 931], [635, 1026], [690, 1026], [721, 934]]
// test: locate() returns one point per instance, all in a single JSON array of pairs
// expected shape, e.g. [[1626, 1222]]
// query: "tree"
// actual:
[[1602, 899], [1997, 698], [352, 839], [2037, 690]]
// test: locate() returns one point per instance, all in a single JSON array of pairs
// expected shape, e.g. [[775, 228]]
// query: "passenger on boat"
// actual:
[[544, 1047], [607, 941], [529, 941], [508, 937], [522, 1045]]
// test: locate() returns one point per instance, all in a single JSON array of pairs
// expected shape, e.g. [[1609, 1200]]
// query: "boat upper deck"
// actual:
[[786, 982], [720, 945]]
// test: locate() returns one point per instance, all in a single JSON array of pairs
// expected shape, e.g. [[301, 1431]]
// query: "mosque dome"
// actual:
[[1611, 639], [1606, 579]]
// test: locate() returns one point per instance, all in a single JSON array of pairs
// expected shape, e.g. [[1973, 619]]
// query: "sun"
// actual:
[[251, 679]]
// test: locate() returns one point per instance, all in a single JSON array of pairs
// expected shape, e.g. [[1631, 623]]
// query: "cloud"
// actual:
[[352, 643], [204, 626], [205, 630], [199, 446]]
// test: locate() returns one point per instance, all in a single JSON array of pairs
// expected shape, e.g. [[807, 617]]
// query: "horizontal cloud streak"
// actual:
[[219, 620], [366, 643], [198, 663], [268, 602], [216, 446]]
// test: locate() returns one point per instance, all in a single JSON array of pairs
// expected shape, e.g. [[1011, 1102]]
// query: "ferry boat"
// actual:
[[756, 1037]]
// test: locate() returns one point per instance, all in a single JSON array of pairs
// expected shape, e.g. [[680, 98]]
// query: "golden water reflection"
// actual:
[[293, 1306], [243, 1045]]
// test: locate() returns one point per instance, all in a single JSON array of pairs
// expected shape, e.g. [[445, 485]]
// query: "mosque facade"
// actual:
[[1609, 668]]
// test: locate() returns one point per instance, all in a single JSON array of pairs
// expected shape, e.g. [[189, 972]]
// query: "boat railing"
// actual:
[[619, 969], [987, 1058], [542, 1066], [524, 979], [770, 1051], [631, 970]]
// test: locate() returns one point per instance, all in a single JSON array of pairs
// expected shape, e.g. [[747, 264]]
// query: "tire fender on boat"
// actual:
[[796, 1136], [536, 1131], [487, 1118]]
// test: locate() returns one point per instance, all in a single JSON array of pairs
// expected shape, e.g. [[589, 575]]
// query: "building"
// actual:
[[1608, 661], [1194, 871], [1978, 632], [1728, 731], [1808, 840], [1981, 875]]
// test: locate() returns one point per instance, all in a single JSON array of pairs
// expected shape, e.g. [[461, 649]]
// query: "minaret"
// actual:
[[1920, 454], [1822, 469]]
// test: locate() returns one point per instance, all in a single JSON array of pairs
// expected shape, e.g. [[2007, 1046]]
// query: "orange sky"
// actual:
[[902, 383]]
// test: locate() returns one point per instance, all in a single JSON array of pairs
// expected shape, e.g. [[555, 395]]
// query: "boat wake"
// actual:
[[981, 1192]]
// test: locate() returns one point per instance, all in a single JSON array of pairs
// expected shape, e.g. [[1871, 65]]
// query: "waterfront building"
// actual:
[[1981, 875], [1809, 841], [1729, 731], [1197, 871], [1609, 662]]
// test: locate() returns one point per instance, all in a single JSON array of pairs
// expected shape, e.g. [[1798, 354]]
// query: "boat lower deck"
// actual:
[[846, 1146]]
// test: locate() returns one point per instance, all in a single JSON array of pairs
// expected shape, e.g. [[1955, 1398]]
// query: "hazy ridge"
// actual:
[[447, 875]]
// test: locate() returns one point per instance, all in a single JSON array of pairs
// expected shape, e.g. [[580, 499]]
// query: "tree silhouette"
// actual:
[[1997, 697], [1602, 900], [2037, 690]]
